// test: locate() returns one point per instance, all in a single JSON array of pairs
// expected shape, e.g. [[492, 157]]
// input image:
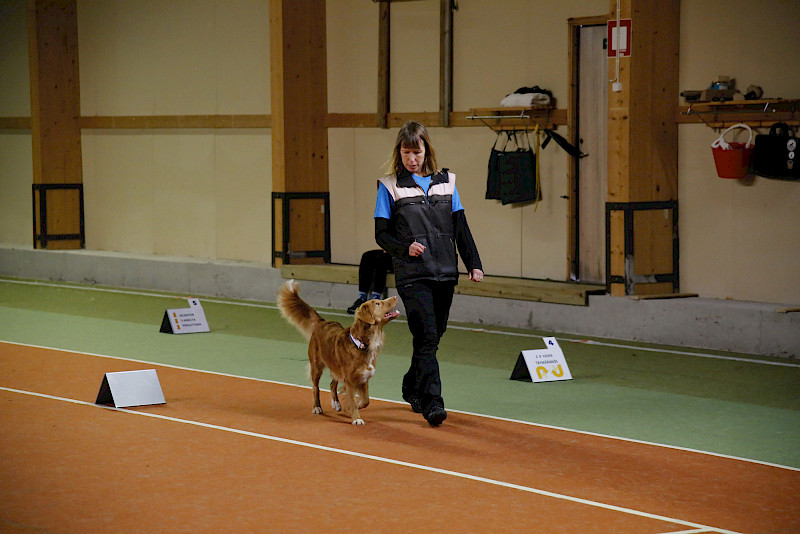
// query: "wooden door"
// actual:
[[592, 172]]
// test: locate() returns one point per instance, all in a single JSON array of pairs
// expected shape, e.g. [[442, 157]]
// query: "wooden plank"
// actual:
[[352, 120], [548, 291], [663, 296], [177, 122], [15, 123], [55, 91]]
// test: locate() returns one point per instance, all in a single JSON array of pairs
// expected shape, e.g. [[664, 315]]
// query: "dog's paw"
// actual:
[[317, 410], [358, 422], [336, 405]]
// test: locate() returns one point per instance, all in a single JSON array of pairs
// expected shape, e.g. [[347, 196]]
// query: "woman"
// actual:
[[420, 221]]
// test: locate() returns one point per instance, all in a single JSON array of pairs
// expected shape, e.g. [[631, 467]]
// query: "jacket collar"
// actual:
[[404, 178]]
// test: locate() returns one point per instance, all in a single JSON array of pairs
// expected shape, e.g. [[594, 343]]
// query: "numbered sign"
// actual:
[[185, 320], [542, 365]]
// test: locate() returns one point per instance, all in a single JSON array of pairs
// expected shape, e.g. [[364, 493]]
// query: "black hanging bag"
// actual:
[[493, 175], [512, 173], [775, 154]]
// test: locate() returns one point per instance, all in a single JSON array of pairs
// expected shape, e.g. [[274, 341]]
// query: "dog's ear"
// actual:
[[364, 312]]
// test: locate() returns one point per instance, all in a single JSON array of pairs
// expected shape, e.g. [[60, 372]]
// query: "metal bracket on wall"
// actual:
[[630, 278], [283, 251], [40, 230]]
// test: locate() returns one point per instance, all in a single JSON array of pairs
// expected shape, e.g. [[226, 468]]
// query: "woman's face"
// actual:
[[413, 157]]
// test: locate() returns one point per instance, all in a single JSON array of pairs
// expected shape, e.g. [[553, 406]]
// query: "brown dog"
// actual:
[[349, 353]]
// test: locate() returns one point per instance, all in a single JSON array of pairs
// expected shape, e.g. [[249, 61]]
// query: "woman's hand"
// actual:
[[476, 275], [415, 249]]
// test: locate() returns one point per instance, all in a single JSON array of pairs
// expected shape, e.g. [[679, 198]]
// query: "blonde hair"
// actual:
[[410, 136]]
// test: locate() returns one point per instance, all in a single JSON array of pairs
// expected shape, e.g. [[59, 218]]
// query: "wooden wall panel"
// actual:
[[299, 110], [643, 135], [55, 109]]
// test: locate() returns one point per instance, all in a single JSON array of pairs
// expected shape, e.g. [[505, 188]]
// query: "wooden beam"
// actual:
[[643, 137], [445, 61], [299, 111], [384, 63], [55, 109], [177, 122]]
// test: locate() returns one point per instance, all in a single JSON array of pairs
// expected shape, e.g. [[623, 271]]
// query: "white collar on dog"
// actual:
[[357, 342]]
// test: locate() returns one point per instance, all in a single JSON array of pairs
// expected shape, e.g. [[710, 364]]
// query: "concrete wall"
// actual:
[[744, 327]]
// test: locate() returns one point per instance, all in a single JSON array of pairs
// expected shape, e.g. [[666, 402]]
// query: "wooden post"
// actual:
[[643, 148], [445, 61], [299, 134], [55, 130], [384, 63]]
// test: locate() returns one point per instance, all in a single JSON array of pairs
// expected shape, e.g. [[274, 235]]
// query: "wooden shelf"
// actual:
[[756, 113], [508, 118]]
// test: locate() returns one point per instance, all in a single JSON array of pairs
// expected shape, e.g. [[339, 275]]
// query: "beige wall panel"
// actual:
[[352, 27], [341, 177], [414, 82], [241, 57], [357, 159], [117, 50], [15, 94], [754, 42], [504, 45], [243, 193], [118, 181], [738, 242], [181, 57], [16, 177], [184, 187]]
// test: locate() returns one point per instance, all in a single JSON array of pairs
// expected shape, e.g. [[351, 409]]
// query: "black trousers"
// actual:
[[372, 271], [427, 305]]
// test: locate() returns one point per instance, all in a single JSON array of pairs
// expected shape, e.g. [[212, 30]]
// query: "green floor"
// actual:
[[732, 404]]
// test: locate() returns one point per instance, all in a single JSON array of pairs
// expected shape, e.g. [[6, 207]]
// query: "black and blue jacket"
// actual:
[[429, 219]]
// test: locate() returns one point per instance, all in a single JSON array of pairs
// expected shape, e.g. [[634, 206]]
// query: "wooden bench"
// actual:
[[550, 291]]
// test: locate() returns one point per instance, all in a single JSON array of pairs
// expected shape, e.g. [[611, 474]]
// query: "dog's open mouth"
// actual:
[[391, 315]]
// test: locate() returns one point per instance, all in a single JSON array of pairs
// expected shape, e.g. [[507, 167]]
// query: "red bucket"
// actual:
[[733, 160]]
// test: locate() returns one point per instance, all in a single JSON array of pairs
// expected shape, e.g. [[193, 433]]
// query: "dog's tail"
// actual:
[[296, 311]]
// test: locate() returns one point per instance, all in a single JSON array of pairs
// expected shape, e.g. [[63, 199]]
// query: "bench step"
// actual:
[[550, 291]]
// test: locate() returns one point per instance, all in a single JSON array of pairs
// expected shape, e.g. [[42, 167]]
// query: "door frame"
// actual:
[[574, 27]]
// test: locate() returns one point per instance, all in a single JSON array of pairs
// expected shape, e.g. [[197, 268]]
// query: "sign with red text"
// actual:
[[185, 320]]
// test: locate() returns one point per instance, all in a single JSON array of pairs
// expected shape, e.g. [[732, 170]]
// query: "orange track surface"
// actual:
[[73, 467]]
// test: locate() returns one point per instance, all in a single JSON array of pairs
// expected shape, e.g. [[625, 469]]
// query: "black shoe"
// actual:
[[436, 416], [416, 403], [359, 301]]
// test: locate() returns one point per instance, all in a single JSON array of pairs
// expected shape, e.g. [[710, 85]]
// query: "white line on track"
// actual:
[[466, 476], [494, 417], [452, 327]]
